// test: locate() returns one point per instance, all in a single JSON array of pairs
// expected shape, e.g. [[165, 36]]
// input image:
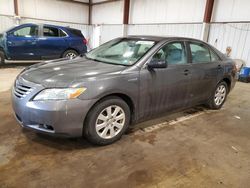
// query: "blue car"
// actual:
[[41, 42]]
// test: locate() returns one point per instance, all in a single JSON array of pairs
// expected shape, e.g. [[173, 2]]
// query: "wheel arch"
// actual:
[[2, 50], [228, 82], [124, 97]]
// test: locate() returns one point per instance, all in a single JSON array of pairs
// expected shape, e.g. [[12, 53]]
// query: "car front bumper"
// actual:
[[55, 117]]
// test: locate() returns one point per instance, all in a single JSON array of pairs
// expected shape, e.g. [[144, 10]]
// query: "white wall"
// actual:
[[6, 7], [155, 13], [234, 35], [147, 17], [185, 30], [6, 14], [108, 13], [54, 10], [166, 11], [231, 10]]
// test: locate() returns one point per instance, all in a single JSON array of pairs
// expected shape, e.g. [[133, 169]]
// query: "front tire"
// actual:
[[107, 121], [2, 57], [70, 54], [219, 96]]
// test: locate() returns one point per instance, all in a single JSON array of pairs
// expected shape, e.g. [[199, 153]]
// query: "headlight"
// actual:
[[59, 94]]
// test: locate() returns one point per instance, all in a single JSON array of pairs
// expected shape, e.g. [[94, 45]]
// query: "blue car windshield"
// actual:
[[121, 51]]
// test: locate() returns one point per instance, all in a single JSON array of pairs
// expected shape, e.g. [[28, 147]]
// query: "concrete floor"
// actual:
[[208, 150]]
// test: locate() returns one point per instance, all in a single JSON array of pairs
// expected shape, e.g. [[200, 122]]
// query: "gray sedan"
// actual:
[[124, 81]]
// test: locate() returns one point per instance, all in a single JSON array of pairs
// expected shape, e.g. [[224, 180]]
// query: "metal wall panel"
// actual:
[[6, 22], [166, 11], [186, 30], [109, 32], [231, 10], [54, 10], [98, 1], [234, 35], [108, 13], [6, 7]]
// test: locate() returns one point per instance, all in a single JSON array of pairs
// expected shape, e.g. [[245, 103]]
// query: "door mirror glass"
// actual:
[[157, 63]]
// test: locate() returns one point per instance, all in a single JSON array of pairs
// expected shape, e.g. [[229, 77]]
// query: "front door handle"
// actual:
[[186, 72]]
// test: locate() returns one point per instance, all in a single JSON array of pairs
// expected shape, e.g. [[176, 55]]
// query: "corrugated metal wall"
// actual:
[[109, 32], [166, 11], [147, 17], [6, 22], [109, 13], [231, 10], [63, 11], [234, 35], [54, 12], [187, 30], [6, 14], [182, 18]]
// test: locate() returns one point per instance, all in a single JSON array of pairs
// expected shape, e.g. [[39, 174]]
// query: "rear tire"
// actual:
[[219, 96], [2, 58], [70, 54], [107, 121]]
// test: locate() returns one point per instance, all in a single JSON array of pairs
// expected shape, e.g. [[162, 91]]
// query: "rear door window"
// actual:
[[62, 33], [76, 32], [50, 32], [214, 57], [200, 53]]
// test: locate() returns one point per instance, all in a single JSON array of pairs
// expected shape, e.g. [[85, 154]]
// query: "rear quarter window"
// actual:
[[76, 32]]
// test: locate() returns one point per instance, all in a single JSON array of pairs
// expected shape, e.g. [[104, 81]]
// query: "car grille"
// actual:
[[21, 90]]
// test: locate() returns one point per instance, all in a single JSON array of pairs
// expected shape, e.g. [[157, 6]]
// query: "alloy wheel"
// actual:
[[70, 55], [220, 95], [110, 122]]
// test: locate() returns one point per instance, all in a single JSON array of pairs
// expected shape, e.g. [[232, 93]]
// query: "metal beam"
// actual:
[[90, 12], [126, 11], [208, 11], [78, 2], [16, 7], [104, 2]]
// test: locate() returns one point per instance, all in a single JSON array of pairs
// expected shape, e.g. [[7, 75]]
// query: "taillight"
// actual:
[[85, 41]]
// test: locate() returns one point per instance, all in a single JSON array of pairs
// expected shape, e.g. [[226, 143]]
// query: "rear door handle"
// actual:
[[186, 72]]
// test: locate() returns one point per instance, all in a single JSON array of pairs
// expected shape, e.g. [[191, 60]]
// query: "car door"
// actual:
[[206, 66], [52, 42], [165, 89], [22, 43]]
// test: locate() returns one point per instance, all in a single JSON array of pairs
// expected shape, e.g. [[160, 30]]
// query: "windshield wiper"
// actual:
[[101, 61]]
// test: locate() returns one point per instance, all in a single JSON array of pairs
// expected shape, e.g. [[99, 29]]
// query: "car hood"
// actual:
[[69, 73]]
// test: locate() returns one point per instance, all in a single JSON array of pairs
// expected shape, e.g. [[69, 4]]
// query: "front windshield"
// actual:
[[121, 51]]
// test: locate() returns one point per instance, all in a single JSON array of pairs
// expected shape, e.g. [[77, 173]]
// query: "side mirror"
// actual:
[[157, 64]]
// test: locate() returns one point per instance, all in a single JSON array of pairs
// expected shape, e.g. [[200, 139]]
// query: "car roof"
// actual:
[[57, 26], [161, 38]]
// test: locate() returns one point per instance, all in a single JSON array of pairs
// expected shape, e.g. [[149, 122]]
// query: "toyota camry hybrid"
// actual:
[[120, 83]]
